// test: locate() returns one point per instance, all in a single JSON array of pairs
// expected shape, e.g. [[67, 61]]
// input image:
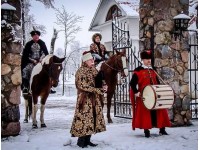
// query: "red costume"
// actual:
[[144, 118]]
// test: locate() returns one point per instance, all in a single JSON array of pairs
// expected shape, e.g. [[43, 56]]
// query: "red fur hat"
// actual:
[[147, 54]]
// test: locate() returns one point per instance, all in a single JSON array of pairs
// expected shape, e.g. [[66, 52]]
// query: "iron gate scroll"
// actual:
[[193, 72], [121, 40]]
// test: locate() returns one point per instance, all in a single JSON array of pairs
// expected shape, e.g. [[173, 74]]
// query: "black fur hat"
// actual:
[[147, 54], [35, 32], [95, 35]]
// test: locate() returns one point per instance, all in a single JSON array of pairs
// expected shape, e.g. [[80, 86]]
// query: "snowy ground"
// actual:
[[119, 135]]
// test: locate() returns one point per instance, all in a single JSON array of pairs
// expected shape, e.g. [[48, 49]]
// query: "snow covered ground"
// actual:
[[119, 135]]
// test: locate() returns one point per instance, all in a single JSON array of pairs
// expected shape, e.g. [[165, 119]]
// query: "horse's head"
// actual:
[[55, 67], [121, 62]]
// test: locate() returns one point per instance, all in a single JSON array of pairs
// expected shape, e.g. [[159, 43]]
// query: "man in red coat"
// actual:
[[142, 117]]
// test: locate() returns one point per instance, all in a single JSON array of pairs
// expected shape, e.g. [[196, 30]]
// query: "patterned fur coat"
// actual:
[[94, 49], [88, 118]]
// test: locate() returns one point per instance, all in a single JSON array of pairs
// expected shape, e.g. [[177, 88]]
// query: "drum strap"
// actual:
[[160, 78], [151, 80]]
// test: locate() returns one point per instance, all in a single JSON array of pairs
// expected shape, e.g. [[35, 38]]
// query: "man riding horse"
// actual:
[[34, 51]]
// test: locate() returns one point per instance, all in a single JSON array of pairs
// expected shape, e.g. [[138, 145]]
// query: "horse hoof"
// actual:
[[43, 125], [25, 121], [34, 126], [110, 121]]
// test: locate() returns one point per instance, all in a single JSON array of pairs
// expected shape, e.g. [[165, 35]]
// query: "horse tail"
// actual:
[[29, 106]]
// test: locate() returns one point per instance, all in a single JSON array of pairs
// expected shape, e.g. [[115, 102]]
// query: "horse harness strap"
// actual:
[[114, 68], [50, 71], [111, 67]]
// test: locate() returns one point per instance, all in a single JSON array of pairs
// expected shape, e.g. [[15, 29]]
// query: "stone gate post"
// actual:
[[170, 54]]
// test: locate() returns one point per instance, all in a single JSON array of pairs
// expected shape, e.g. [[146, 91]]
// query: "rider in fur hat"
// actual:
[[97, 49]]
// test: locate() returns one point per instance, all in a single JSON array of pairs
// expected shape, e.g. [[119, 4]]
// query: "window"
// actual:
[[114, 11]]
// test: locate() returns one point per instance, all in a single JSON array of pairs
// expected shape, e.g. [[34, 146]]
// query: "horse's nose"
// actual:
[[125, 72]]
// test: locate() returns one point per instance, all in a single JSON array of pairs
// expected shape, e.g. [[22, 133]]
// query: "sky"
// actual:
[[47, 17]]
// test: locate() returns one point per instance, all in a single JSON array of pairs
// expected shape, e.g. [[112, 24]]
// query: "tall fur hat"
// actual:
[[86, 56], [95, 35], [34, 32], [147, 54]]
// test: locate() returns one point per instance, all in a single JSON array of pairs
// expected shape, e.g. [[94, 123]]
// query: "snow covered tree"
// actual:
[[53, 40], [28, 21], [59, 52], [73, 58], [68, 23], [47, 3]]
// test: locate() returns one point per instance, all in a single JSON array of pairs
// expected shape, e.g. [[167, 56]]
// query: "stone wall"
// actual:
[[170, 54], [10, 78]]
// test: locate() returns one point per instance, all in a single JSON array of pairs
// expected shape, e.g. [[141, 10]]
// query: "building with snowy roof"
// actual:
[[125, 11]]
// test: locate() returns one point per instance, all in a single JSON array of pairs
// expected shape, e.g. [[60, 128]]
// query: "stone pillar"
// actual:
[[170, 55], [10, 78]]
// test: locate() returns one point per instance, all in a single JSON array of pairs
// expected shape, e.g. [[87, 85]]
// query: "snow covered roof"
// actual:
[[128, 7], [7, 6], [131, 7]]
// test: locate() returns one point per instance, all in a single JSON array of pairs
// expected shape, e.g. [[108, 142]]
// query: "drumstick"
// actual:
[[160, 78]]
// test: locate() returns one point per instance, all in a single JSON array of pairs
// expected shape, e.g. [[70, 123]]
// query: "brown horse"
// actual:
[[43, 77], [114, 65]]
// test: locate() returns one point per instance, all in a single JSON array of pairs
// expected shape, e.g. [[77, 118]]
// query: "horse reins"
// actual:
[[50, 72], [114, 68]]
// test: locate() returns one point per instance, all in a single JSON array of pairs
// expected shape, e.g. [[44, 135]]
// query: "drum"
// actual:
[[158, 96]]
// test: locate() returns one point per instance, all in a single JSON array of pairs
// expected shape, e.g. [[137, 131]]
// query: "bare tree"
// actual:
[[68, 23], [59, 52], [28, 20], [53, 40], [47, 3]]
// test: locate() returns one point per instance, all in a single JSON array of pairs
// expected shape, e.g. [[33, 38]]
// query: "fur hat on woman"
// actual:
[[86, 56], [147, 54], [95, 35]]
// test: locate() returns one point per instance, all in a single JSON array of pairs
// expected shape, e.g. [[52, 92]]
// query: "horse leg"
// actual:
[[26, 111], [109, 99], [35, 109], [43, 125], [43, 101]]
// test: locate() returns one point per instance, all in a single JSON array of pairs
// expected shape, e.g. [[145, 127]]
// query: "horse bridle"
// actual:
[[114, 68], [50, 72]]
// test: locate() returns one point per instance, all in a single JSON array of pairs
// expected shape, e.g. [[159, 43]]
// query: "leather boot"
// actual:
[[82, 141], [89, 142], [162, 131], [147, 133]]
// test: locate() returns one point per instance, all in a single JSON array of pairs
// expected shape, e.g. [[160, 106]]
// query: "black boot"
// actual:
[[52, 91], [89, 142], [25, 86], [82, 141], [162, 131], [147, 133]]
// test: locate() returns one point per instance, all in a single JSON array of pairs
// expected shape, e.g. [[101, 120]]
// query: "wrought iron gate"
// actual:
[[121, 40], [193, 72]]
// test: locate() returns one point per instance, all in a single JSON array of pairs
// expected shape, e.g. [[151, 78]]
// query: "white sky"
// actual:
[[46, 17]]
